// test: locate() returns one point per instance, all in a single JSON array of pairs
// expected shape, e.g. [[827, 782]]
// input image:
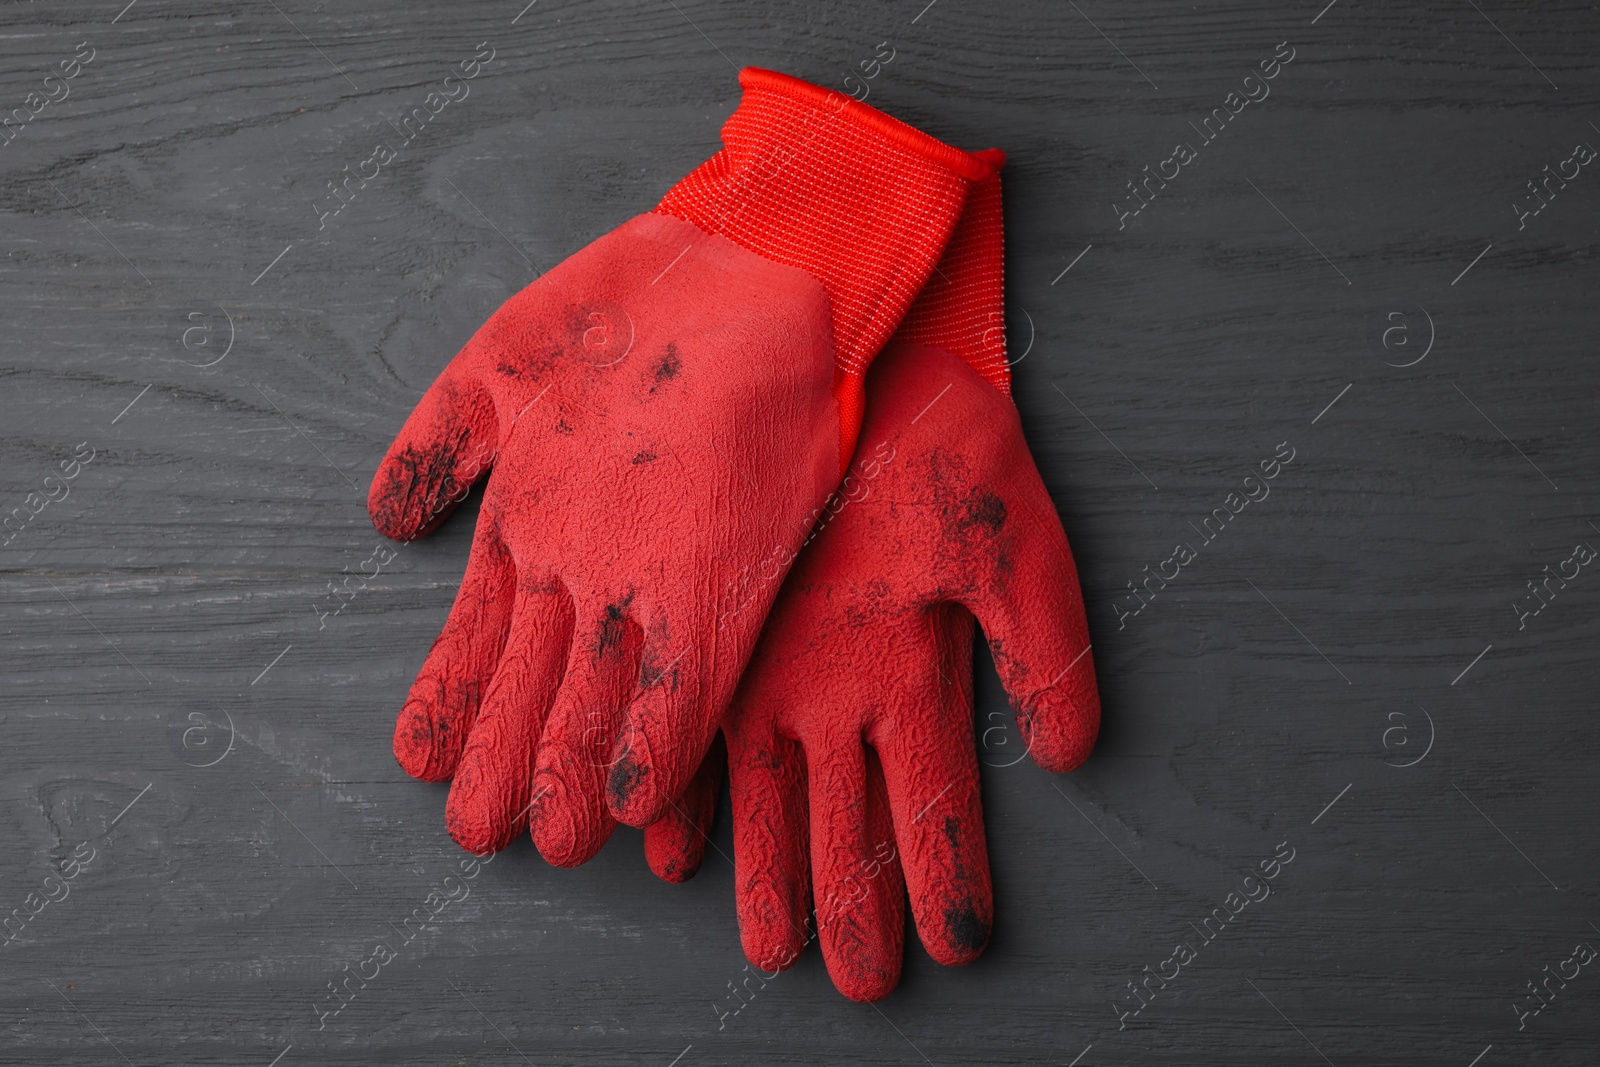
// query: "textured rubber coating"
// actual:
[[850, 744], [664, 413], [640, 475]]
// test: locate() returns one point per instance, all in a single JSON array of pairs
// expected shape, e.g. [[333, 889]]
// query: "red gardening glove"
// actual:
[[663, 412], [851, 755]]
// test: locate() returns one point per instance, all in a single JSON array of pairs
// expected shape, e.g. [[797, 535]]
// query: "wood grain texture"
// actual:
[[1297, 660]]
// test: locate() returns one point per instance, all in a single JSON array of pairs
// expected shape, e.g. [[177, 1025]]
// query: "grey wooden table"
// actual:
[[202, 824]]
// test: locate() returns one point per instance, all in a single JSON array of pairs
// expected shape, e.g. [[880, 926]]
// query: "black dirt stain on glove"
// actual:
[[965, 929]]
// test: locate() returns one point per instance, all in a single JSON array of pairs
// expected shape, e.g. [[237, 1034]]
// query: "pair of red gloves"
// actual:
[[702, 512]]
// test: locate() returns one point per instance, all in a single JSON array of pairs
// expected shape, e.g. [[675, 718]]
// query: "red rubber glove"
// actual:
[[851, 755], [663, 412]]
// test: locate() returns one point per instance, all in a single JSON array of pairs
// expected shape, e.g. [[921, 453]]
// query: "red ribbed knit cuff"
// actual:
[[962, 308], [864, 203], [973, 166]]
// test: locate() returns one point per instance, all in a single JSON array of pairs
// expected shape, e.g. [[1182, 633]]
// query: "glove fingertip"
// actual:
[[1063, 751], [410, 498], [771, 947], [675, 844], [673, 849], [421, 738], [1060, 726], [475, 831], [865, 985], [445, 445], [645, 776], [567, 826], [967, 925], [631, 791]]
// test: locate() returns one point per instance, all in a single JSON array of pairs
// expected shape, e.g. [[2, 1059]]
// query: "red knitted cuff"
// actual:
[[962, 308], [861, 201]]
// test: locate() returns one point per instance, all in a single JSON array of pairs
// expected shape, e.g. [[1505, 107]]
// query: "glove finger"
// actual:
[[771, 862], [491, 794], [675, 844], [932, 778], [686, 683], [443, 703], [859, 887], [570, 821], [1038, 634], [447, 442]]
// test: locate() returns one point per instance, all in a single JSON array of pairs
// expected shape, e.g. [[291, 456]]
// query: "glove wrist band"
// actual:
[[973, 166], [862, 202], [962, 308]]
